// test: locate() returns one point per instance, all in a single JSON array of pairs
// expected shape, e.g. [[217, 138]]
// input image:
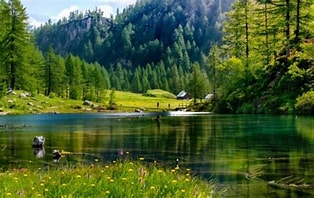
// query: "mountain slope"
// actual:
[[147, 32]]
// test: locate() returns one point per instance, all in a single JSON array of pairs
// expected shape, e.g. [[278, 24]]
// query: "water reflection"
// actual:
[[248, 156]]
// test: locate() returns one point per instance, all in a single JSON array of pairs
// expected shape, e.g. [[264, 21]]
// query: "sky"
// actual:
[[39, 11]]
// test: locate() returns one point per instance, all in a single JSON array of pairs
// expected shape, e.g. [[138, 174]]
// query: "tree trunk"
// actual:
[[287, 18], [298, 21]]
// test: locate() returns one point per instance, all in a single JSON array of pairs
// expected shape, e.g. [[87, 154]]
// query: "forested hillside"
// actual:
[[256, 58], [151, 31]]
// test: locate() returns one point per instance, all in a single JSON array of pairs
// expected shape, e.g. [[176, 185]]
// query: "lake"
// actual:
[[245, 155]]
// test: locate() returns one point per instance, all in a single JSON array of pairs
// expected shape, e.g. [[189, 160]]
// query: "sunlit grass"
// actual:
[[118, 179], [132, 100], [124, 101]]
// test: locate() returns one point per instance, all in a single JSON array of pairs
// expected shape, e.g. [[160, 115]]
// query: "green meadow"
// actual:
[[23, 103], [116, 179]]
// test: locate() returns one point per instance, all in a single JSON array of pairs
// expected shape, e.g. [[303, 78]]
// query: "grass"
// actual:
[[130, 101], [124, 101], [117, 179]]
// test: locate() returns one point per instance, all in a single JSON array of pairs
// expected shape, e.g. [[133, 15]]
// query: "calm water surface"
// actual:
[[246, 155]]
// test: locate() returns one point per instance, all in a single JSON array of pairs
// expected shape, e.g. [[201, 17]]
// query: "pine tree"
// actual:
[[237, 30], [136, 82], [197, 84], [13, 43], [74, 77]]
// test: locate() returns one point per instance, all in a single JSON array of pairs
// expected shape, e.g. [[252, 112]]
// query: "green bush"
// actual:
[[305, 103], [159, 93]]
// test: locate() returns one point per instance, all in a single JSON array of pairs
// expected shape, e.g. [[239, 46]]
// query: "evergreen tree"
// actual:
[[74, 77], [237, 30], [197, 84], [136, 82], [214, 62], [54, 71], [13, 43], [30, 79], [98, 81]]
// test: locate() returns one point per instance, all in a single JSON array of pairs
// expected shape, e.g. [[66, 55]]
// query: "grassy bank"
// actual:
[[118, 179], [23, 103]]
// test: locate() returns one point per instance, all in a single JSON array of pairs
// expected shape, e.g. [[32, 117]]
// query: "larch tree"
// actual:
[[237, 30], [13, 44], [197, 85]]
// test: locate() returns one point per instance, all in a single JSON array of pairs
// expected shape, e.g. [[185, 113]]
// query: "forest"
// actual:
[[255, 56]]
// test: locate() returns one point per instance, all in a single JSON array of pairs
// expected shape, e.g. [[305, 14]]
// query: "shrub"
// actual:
[[305, 103]]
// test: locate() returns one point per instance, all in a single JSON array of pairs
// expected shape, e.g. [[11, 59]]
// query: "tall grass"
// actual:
[[118, 179]]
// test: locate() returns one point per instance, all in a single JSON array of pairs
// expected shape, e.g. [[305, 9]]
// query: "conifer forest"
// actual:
[[254, 56]]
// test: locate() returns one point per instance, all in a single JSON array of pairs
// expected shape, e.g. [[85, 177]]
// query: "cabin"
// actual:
[[183, 95]]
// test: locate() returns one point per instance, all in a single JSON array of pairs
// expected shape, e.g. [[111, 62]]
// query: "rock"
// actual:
[[38, 141], [87, 102], [22, 95], [138, 110]]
